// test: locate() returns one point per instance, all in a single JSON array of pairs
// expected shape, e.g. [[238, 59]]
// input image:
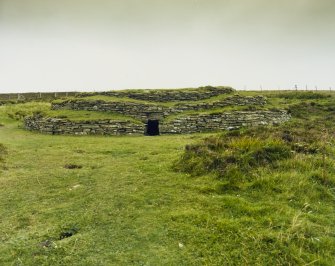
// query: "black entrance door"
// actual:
[[152, 128]]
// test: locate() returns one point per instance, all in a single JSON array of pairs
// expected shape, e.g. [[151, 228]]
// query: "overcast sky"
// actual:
[[49, 45]]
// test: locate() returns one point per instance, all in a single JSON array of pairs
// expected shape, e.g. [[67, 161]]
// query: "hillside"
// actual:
[[249, 196]]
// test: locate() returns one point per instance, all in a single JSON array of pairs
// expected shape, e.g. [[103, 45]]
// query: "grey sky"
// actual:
[[100, 44]]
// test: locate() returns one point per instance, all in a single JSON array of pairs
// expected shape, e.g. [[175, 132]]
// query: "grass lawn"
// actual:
[[121, 200], [93, 200]]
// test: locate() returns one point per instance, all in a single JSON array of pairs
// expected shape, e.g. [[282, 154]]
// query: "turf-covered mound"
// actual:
[[167, 95], [236, 155], [233, 154], [278, 187]]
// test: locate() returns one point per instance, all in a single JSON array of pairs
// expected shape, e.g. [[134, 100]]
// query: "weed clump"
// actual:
[[3, 152], [232, 155], [22, 110], [236, 155]]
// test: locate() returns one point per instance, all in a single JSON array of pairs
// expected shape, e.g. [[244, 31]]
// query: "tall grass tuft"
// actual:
[[3, 152]]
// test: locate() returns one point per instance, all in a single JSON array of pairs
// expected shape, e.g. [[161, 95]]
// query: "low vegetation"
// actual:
[[22, 110], [3, 152], [301, 95], [262, 196], [280, 181]]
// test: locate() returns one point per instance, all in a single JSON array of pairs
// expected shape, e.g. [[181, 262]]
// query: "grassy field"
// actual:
[[252, 197]]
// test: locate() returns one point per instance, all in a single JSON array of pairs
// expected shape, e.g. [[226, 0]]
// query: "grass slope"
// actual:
[[67, 200], [21, 110]]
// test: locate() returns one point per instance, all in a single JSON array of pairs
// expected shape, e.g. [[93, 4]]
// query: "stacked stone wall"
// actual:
[[223, 121], [58, 126], [137, 110], [168, 95], [235, 100], [181, 125], [145, 111]]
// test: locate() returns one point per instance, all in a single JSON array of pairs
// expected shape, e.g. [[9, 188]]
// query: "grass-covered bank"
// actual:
[[253, 197], [279, 185], [277, 196]]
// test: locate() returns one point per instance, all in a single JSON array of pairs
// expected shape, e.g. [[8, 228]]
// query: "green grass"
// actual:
[[251, 197], [3, 152], [283, 178], [19, 111]]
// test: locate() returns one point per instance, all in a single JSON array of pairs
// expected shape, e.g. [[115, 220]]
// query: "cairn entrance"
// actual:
[[152, 128]]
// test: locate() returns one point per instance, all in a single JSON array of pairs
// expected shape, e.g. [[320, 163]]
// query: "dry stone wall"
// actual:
[[150, 111], [137, 110], [235, 100], [181, 125], [168, 95], [98, 127], [223, 121]]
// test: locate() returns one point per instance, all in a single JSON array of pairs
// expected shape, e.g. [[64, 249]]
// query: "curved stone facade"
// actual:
[[223, 121], [58, 126], [156, 117], [146, 111], [181, 125], [168, 95]]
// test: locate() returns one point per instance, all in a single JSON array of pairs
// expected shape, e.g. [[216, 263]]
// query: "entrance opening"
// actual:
[[152, 128]]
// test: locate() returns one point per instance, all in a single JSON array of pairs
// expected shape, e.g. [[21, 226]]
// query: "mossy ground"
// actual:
[[127, 200]]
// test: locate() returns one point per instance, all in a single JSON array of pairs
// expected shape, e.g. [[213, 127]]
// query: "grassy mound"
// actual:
[[21, 110], [277, 183], [232, 152]]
